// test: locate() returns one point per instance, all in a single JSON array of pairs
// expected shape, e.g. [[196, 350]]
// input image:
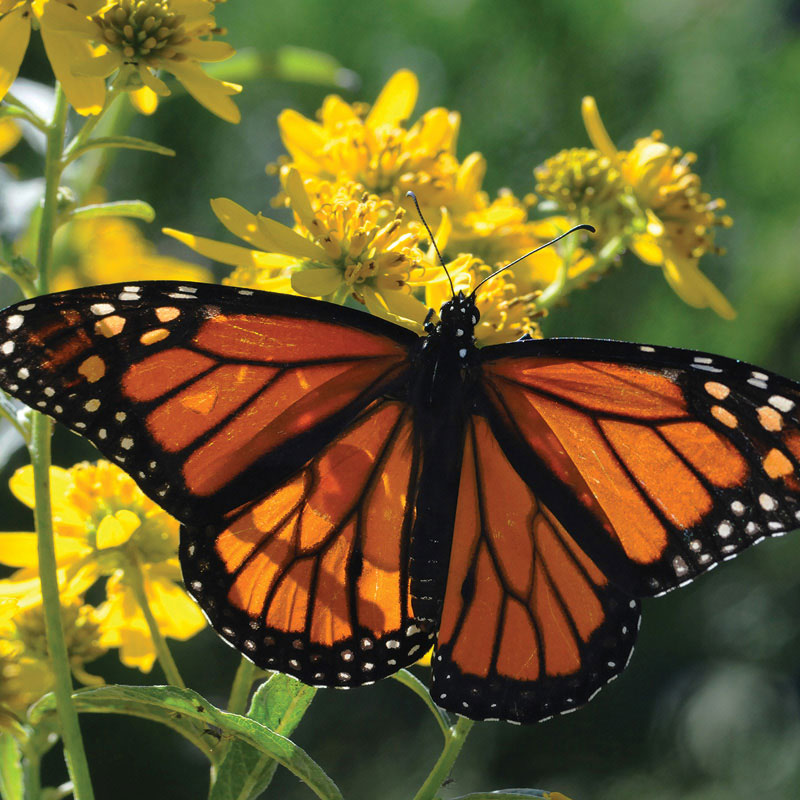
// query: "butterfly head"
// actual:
[[459, 316]]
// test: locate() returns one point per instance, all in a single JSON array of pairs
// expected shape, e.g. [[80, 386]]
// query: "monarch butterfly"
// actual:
[[352, 493]]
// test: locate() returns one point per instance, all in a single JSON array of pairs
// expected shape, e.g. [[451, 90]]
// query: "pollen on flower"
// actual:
[[144, 30], [586, 186]]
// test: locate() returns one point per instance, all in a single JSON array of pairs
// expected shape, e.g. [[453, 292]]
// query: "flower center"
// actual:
[[144, 30]]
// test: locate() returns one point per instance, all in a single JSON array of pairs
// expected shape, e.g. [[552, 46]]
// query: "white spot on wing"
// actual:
[[14, 321]]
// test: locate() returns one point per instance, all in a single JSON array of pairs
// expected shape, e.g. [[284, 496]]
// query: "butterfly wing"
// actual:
[[207, 395], [530, 626], [660, 462], [312, 578]]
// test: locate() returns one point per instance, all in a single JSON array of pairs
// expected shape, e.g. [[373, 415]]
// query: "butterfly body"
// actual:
[[352, 493]]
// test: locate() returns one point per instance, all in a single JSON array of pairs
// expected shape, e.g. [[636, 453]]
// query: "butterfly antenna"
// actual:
[[433, 241], [535, 250]]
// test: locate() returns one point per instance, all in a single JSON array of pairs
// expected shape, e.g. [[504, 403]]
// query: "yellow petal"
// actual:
[[86, 95], [97, 67], [10, 134], [61, 17], [596, 130], [20, 549], [209, 92], [240, 222], [111, 533], [285, 240], [144, 100], [396, 101], [153, 83], [405, 305], [303, 139], [696, 289], [207, 50], [21, 485], [15, 31], [471, 173], [301, 205], [231, 253], [335, 112], [316, 282], [178, 616]]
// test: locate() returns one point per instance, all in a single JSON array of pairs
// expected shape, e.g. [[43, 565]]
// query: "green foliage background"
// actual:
[[709, 707]]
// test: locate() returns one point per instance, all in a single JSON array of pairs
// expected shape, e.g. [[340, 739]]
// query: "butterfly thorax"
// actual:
[[441, 399]]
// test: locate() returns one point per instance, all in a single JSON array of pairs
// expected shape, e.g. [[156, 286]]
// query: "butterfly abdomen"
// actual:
[[440, 397]]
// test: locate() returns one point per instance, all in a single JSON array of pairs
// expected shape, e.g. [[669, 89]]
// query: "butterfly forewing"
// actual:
[[663, 461], [204, 394]]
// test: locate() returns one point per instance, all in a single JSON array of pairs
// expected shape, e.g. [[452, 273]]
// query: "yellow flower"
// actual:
[[585, 185], [348, 244], [104, 526], [679, 219], [65, 49], [505, 314], [112, 249], [136, 38], [124, 625], [23, 680], [10, 134], [374, 148], [79, 622]]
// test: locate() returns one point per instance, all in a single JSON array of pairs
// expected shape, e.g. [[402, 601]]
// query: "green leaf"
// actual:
[[11, 783], [127, 142], [312, 66], [137, 209], [179, 707], [279, 703], [411, 681], [505, 794]]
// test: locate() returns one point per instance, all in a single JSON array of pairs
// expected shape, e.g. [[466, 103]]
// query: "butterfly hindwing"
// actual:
[[663, 461], [530, 626], [312, 579], [199, 391]]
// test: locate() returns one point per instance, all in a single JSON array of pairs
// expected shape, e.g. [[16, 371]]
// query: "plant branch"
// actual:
[[74, 751]]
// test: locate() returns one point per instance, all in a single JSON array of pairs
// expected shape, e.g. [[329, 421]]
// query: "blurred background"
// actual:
[[709, 707]]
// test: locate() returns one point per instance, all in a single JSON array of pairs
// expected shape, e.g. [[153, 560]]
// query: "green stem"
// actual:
[[74, 752], [91, 123], [135, 579], [31, 776], [562, 285], [22, 111], [242, 684], [444, 766]]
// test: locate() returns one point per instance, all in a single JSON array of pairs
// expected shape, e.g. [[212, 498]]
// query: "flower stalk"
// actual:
[[135, 579], [455, 740], [40, 458]]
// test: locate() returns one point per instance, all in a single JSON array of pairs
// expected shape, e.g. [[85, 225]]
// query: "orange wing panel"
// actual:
[[162, 372], [597, 386], [524, 607], [289, 339], [294, 403], [319, 566]]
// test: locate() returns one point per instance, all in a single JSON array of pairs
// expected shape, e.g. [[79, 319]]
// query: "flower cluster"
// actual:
[[88, 41], [107, 531], [356, 237]]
